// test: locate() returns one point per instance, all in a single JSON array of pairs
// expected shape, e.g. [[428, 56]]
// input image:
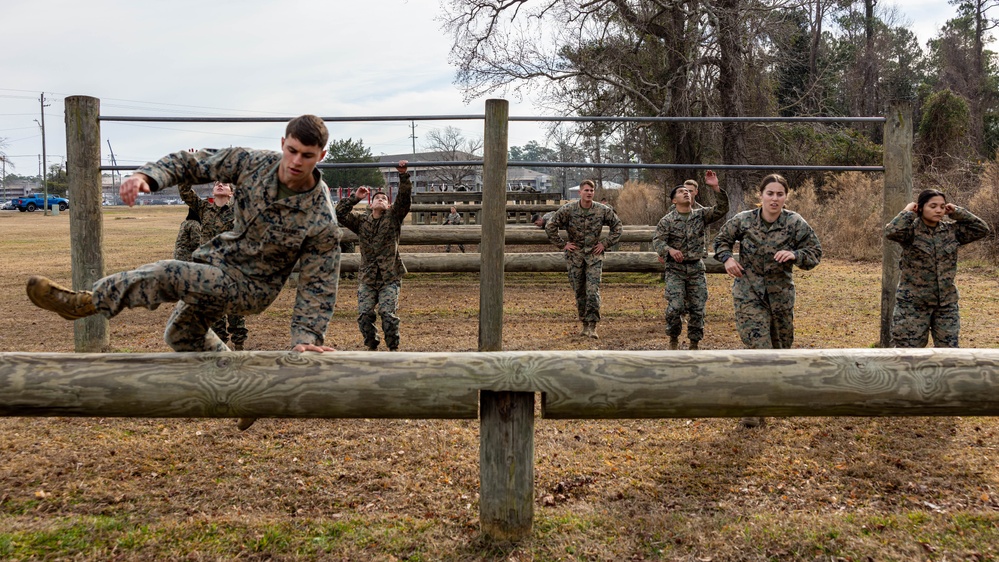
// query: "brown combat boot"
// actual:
[[751, 422], [585, 332], [71, 305], [695, 345], [244, 423], [237, 347], [593, 331], [674, 343]]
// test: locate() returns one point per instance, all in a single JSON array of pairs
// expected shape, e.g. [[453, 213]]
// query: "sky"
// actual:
[[245, 58]]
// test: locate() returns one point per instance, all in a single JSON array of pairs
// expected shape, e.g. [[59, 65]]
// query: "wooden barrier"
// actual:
[[573, 384], [421, 235], [539, 262]]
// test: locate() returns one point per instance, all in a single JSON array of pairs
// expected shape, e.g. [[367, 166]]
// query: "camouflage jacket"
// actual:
[[269, 234], [584, 229], [453, 219], [929, 255], [764, 277], [215, 219], [378, 237], [688, 236], [188, 240]]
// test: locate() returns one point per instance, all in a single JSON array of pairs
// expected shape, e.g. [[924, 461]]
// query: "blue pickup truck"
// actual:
[[29, 203]]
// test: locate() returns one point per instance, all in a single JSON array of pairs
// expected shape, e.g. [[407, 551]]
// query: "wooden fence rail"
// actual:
[[573, 384], [539, 262], [419, 235]]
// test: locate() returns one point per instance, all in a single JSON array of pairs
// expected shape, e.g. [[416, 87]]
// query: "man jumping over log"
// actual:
[[284, 215], [583, 221], [380, 278]]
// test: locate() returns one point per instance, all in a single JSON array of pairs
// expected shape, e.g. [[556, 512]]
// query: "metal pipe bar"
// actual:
[[604, 165], [549, 118]]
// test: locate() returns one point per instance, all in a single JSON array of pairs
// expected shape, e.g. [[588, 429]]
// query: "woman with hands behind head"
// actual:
[[926, 297]]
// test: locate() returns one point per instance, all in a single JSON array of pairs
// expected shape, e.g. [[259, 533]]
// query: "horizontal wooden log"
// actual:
[[420, 235], [477, 207], [538, 262], [453, 197], [574, 384]]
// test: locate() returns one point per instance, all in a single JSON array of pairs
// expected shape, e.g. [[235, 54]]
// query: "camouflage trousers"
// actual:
[[384, 300], [585, 281], [762, 326], [686, 291], [236, 329], [912, 324], [205, 293]]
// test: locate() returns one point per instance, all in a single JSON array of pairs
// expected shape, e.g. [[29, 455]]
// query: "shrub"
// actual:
[[640, 203], [848, 222], [985, 204]]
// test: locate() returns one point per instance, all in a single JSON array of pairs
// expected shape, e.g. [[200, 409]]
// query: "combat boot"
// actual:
[[243, 424], [751, 422], [237, 346], [585, 332], [695, 345], [593, 331], [71, 305], [674, 343]]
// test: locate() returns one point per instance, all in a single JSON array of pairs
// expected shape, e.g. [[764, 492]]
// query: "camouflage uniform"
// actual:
[[926, 297], [583, 227], [241, 271], [188, 240], [381, 265], [216, 219], [686, 284], [453, 219], [764, 295]]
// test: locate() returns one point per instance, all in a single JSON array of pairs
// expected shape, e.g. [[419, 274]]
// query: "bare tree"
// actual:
[[450, 145]]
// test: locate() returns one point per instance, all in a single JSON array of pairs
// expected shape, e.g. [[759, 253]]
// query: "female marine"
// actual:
[[926, 298]]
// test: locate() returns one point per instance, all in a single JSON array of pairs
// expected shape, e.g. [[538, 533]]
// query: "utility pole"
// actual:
[[45, 162], [412, 135], [114, 187]]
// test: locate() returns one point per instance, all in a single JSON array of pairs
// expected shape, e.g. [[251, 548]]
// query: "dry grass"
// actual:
[[698, 489]]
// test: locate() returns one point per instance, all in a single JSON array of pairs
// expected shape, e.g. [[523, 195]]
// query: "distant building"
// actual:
[[457, 179], [574, 191]]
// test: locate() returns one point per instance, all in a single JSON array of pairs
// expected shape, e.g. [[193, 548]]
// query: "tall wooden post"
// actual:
[[506, 432], [898, 192], [493, 220], [86, 221]]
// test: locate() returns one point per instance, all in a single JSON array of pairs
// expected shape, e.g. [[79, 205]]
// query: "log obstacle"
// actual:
[[573, 385], [538, 262], [421, 235]]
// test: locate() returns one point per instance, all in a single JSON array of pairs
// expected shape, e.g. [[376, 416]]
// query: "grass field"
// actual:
[[683, 489]]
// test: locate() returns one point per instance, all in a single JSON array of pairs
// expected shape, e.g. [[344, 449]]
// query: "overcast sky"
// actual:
[[244, 58]]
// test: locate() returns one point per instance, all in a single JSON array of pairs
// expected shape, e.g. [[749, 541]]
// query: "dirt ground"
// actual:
[[682, 489]]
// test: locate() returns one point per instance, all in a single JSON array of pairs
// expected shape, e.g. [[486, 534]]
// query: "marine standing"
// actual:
[[926, 297], [378, 230], [680, 242], [218, 216], [583, 221]]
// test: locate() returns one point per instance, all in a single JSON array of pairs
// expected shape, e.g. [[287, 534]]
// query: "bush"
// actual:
[[640, 203], [849, 222], [985, 204]]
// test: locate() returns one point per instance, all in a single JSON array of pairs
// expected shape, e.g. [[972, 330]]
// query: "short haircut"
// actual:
[[773, 178], [377, 193], [673, 191], [309, 130], [587, 182], [691, 183]]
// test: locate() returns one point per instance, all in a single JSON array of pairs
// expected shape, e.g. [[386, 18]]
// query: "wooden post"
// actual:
[[493, 221], [898, 192], [86, 219], [506, 419], [506, 464]]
